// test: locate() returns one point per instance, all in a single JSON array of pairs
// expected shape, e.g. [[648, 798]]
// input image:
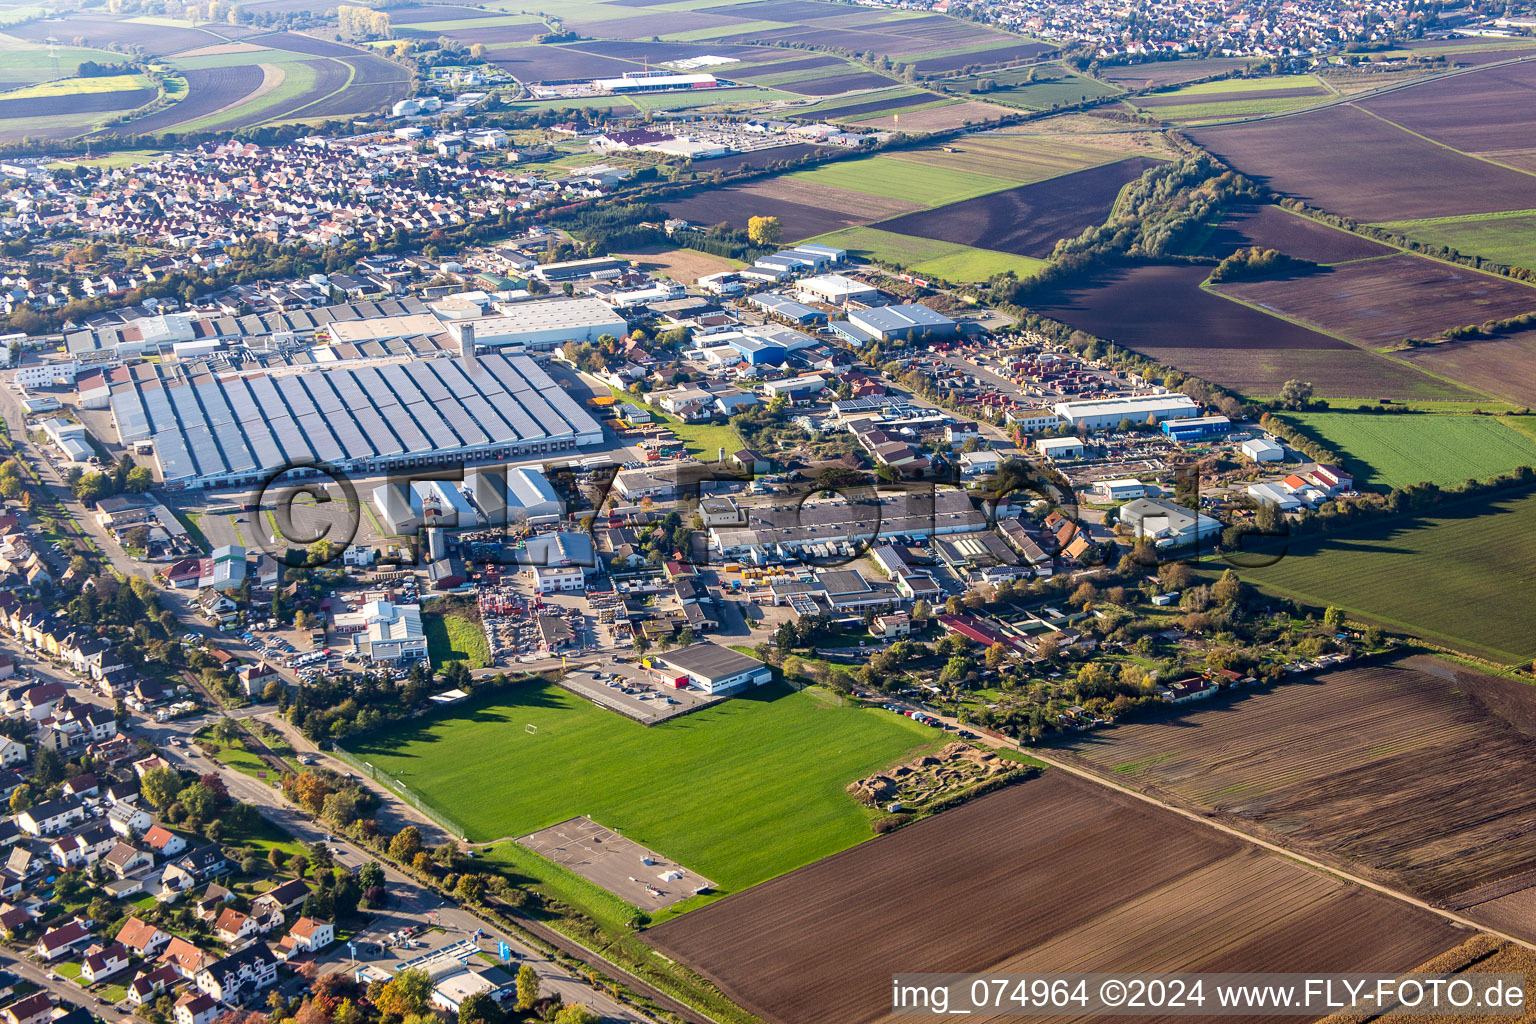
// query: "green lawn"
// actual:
[[930, 257], [702, 440], [67, 970], [265, 837], [892, 178], [1456, 577], [452, 637], [739, 792], [1386, 451], [1502, 237]]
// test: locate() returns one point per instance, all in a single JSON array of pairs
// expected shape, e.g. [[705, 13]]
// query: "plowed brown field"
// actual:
[[1414, 773], [1049, 875]]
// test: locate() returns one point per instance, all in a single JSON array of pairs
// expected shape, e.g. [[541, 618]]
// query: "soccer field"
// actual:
[[740, 792]]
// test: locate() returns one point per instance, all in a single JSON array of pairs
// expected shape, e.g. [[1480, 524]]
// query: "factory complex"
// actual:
[[206, 430]]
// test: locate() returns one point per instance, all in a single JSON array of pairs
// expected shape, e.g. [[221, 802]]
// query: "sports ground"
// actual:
[[739, 792]]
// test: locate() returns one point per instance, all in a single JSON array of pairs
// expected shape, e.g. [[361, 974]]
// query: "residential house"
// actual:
[[308, 935], [164, 842], [210, 904], [12, 752], [128, 820], [233, 927], [148, 986], [196, 1008], [142, 938], [36, 1008], [239, 975], [62, 940], [186, 959], [104, 962], [51, 816], [124, 860]]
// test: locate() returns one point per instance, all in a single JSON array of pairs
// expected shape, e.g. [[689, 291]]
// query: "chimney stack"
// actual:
[[467, 347]]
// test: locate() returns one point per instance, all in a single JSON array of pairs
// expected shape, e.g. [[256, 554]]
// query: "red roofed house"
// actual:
[[307, 935], [142, 938], [164, 842], [33, 1009], [196, 1008], [149, 984], [62, 940], [233, 927], [104, 962], [186, 958]]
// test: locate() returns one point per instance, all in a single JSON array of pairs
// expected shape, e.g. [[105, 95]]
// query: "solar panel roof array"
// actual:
[[210, 431]]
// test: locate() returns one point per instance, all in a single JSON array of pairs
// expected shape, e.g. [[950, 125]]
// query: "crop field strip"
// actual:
[[1386, 451], [850, 193], [1006, 880], [1347, 161], [929, 258], [1272, 227], [1504, 367], [1429, 574], [1030, 219], [1156, 74], [1410, 773], [740, 792], [1163, 312], [208, 91], [1508, 238], [1381, 301], [1471, 113]]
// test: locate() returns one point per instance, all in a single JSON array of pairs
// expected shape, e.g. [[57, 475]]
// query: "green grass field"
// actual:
[[79, 87], [1456, 577], [739, 792], [453, 637], [1232, 108], [27, 63], [891, 178], [1502, 237], [929, 257], [707, 98], [1041, 94], [1385, 451], [1223, 86], [702, 440]]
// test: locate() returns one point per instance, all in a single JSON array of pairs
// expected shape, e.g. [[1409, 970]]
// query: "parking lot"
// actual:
[[624, 688]]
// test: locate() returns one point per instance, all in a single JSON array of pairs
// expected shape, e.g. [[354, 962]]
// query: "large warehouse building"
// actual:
[[216, 432], [541, 326], [1106, 413]]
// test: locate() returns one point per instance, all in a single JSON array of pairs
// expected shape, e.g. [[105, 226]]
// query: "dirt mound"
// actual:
[[956, 766]]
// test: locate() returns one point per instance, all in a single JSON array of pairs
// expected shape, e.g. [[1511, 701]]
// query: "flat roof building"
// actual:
[[902, 323], [715, 669], [835, 290], [1060, 447], [1107, 413], [1261, 449], [541, 326], [207, 431]]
